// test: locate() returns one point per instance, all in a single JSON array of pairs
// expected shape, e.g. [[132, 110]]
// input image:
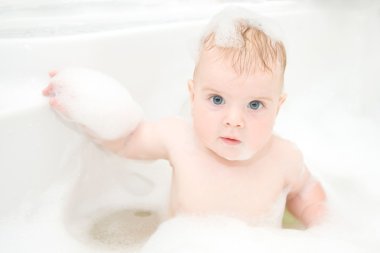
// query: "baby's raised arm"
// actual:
[[147, 142], [101, 108]]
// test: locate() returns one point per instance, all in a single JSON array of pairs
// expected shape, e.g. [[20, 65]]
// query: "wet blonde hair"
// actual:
[[246, 46], [258, 52]]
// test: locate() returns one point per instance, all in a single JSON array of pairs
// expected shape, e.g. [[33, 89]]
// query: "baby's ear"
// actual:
[[190, 86], [282, 98]]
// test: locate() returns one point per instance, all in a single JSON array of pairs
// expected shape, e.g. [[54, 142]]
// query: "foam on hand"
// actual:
[[224, 26], [97, 102]]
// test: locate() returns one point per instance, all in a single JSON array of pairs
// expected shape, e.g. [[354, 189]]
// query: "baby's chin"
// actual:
[[237, 154], [240, 157]]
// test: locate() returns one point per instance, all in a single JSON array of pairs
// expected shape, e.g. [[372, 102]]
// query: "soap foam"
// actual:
[[226, 235], [96, 101], [224, 26]]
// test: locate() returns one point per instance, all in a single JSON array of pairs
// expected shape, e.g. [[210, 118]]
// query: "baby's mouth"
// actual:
[[230, 141]]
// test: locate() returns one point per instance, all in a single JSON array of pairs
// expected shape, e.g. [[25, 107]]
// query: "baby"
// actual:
[[227, 161]]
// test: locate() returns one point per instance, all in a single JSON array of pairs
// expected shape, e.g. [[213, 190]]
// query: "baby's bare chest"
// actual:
[[202, 185]]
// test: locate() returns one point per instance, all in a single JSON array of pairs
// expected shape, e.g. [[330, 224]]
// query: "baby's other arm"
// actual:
[[307, 199]]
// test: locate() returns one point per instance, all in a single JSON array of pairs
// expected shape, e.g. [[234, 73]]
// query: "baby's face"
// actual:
[[233, 114]]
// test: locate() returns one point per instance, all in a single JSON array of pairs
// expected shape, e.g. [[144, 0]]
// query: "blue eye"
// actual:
[[255, 105], [217, 100]]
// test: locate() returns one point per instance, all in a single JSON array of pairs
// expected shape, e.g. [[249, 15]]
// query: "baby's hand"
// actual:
[[97, 103], [51, 91]]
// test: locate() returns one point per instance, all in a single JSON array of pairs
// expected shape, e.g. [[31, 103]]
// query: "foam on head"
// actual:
[[250, 42]]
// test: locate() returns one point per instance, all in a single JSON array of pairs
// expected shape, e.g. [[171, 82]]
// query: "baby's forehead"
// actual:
[[215, 69]]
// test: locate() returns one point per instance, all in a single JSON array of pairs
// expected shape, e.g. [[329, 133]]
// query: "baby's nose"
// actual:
[[234, 118]]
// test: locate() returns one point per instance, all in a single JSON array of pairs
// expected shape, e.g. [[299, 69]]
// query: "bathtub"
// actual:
[[59, 192]]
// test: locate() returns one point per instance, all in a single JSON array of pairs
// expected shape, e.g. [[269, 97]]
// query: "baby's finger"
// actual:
[[53, 72], [59, 108], [48, 91], [54, 103]]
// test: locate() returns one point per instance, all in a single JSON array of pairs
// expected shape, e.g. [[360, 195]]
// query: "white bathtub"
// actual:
[[37, 150], [59, 193]]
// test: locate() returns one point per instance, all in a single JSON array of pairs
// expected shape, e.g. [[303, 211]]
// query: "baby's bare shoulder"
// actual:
[[174, 128], [286, 146], [289, 154], [173, 123], [177, 134]]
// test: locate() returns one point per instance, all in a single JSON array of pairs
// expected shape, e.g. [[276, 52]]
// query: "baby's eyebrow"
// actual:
[[263, 98], [206, 89], [252, 98]]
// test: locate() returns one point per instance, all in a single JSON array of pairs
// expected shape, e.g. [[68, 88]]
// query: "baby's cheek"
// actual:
[[260, 134], [204, 128], [200, 125]]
